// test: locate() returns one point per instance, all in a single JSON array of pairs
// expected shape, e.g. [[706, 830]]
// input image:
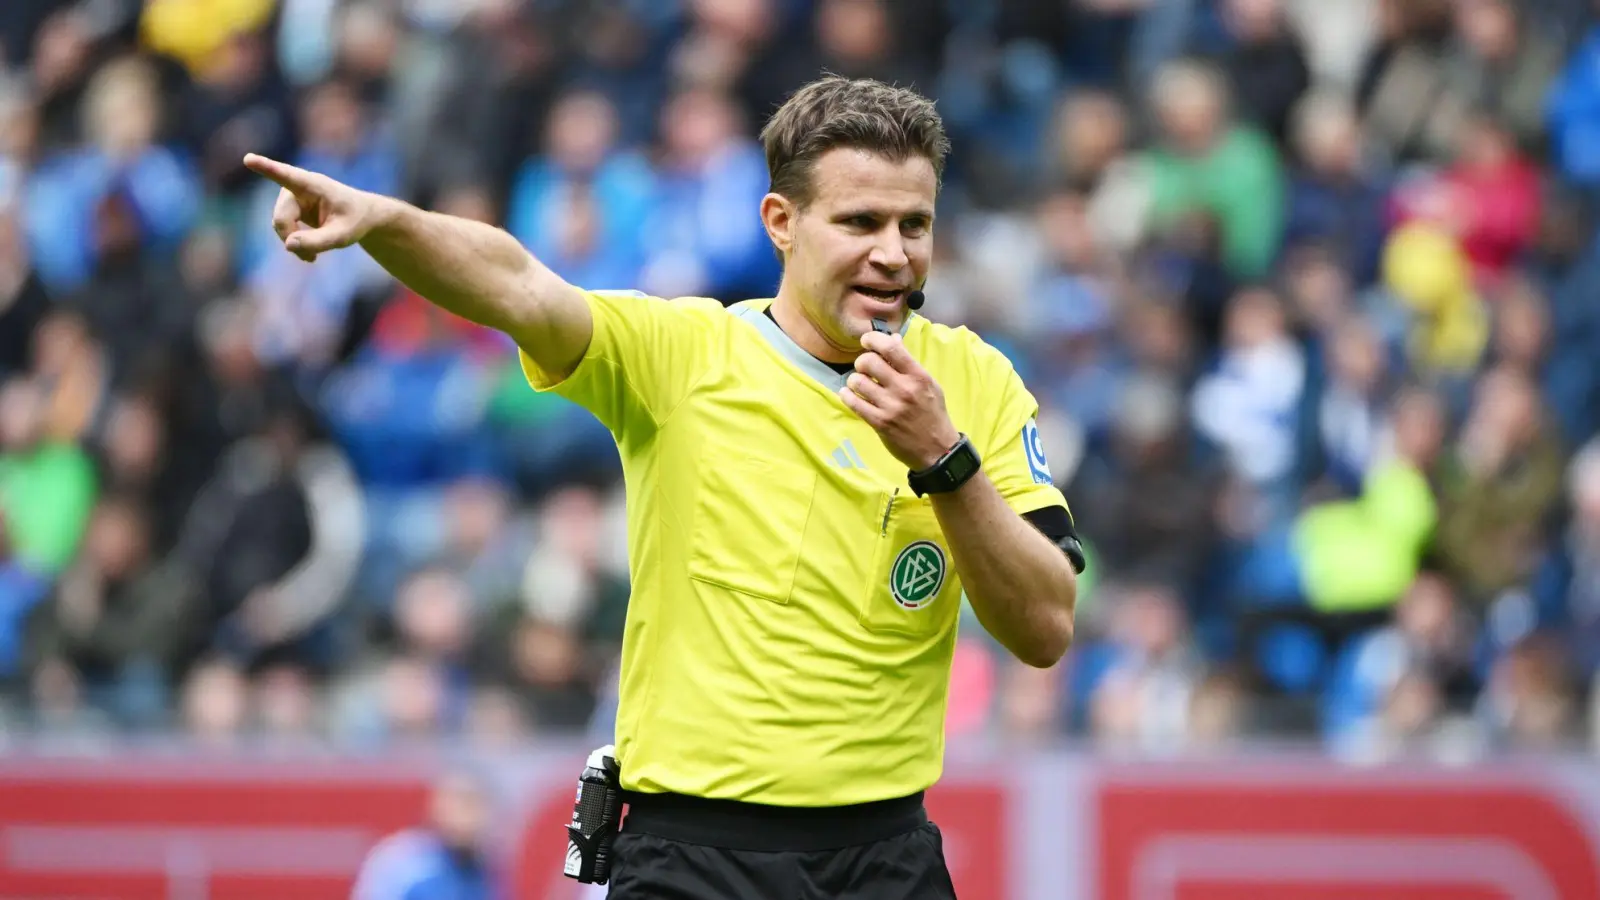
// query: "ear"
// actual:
[[779, 216]]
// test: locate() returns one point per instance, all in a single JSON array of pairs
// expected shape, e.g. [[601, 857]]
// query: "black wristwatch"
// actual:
[[952, 470]]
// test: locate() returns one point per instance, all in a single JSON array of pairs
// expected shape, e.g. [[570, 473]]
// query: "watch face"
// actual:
[[964, 464]]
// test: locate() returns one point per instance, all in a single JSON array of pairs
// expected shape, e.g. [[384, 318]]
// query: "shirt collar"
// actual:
[[754, 312]]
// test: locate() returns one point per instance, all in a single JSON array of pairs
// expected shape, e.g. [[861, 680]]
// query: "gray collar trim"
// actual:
[[788, 349]]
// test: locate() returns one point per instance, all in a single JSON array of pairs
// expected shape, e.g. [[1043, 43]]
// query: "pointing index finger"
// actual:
[[285, 175]]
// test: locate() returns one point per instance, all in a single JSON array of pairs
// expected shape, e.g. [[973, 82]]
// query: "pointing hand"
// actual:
[[314, 213]]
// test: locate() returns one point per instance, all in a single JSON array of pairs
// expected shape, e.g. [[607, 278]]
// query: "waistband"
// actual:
[[734, 825]]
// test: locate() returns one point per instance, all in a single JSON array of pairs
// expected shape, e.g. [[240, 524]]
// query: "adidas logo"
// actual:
[[846, 457]]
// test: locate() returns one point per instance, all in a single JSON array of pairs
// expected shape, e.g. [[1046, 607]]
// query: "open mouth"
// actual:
[[885, 295]]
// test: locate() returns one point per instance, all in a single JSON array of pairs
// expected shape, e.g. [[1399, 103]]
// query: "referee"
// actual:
[[813, 480]]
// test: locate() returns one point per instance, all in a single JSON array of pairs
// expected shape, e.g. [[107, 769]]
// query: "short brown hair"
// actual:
[[860, 113]]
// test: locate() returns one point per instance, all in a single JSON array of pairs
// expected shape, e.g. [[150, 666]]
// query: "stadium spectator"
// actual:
[[1146, 495], [1529, 701], [215, 705], [1202, 150], [23, 300], [1351, 406], [434, 622], [1220, 714], [444, 858], [1069, 306], [1246, 406], [1488, 199], [1090, 146], [390, 700], [117, 623], [1403, 79], [1498, 487], [1337, 195], [496, 721], [1570, 107], [1388, 682], [1360, 554], [65, 205], [284, 711], [1030, 705], [1567, 591], [1266, 65], [59, 714], [1428, 304], [1142, 701], [576, 204], [1502, 63], [711, 174], [47, 485]]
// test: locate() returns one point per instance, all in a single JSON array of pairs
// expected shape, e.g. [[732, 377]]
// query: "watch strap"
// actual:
[[953, 470]]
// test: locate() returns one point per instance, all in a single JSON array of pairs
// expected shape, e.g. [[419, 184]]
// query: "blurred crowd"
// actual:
[[1308, 291]]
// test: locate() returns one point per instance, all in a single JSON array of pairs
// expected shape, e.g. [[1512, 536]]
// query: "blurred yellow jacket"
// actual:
[[192, 31], [1360, 555], [1427, 271]]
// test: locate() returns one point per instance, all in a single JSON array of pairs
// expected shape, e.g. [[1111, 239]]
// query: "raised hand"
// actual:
[[314, 213], [900, 400]]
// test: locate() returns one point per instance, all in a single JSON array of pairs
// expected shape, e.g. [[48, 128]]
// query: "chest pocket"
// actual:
[[749, 517], [911, 588]]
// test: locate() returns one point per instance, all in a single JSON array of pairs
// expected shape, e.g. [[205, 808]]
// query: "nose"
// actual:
[[889, 251]]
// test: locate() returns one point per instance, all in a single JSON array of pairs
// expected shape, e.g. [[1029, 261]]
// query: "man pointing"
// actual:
[[813, 481]]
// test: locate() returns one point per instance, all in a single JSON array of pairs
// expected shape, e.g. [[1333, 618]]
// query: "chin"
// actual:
[[853, 326], [858, 317]]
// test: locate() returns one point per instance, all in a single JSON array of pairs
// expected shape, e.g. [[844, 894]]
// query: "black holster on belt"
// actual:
[[596, 816]]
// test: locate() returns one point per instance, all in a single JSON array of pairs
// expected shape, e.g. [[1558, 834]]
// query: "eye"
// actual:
[[914, 227], [863, 222]]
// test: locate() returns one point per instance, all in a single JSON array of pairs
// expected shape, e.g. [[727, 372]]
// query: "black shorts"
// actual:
[[680, 848]]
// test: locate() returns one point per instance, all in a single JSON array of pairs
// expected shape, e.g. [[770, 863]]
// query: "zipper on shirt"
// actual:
[[887, 509]]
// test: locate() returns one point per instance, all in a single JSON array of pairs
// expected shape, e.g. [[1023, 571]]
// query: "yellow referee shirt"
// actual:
[[794, 604]]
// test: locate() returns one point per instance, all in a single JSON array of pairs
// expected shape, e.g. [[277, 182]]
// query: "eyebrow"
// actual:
[[880, 214]]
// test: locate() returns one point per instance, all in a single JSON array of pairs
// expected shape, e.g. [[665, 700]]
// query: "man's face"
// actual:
[[862, 245], [459, 812]]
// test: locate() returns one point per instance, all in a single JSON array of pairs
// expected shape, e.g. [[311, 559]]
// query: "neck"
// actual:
[[791, 316]]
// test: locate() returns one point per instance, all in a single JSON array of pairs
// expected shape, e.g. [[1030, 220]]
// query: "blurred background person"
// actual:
[[445, 857]]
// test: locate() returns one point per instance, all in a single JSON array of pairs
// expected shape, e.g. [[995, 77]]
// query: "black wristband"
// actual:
[[954, 469]]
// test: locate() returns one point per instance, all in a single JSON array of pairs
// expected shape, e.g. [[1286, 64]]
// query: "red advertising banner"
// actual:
[[1340, 834], [202, 829], [110, 832]]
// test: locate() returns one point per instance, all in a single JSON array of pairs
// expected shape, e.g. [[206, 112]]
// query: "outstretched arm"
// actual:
[[474, 270]]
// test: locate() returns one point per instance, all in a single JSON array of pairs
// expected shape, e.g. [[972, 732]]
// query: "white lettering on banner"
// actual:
[[149, 847], [146, 848], [1166, 864]]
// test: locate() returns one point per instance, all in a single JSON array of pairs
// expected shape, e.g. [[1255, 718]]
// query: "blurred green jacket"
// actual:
[[1239, 181], [46, 495]]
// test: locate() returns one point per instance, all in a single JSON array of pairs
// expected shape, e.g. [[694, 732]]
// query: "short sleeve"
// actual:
[[1015, 458], [645, 355]]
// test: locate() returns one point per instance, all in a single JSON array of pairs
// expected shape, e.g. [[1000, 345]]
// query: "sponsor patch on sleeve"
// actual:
[[1033, 447]]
